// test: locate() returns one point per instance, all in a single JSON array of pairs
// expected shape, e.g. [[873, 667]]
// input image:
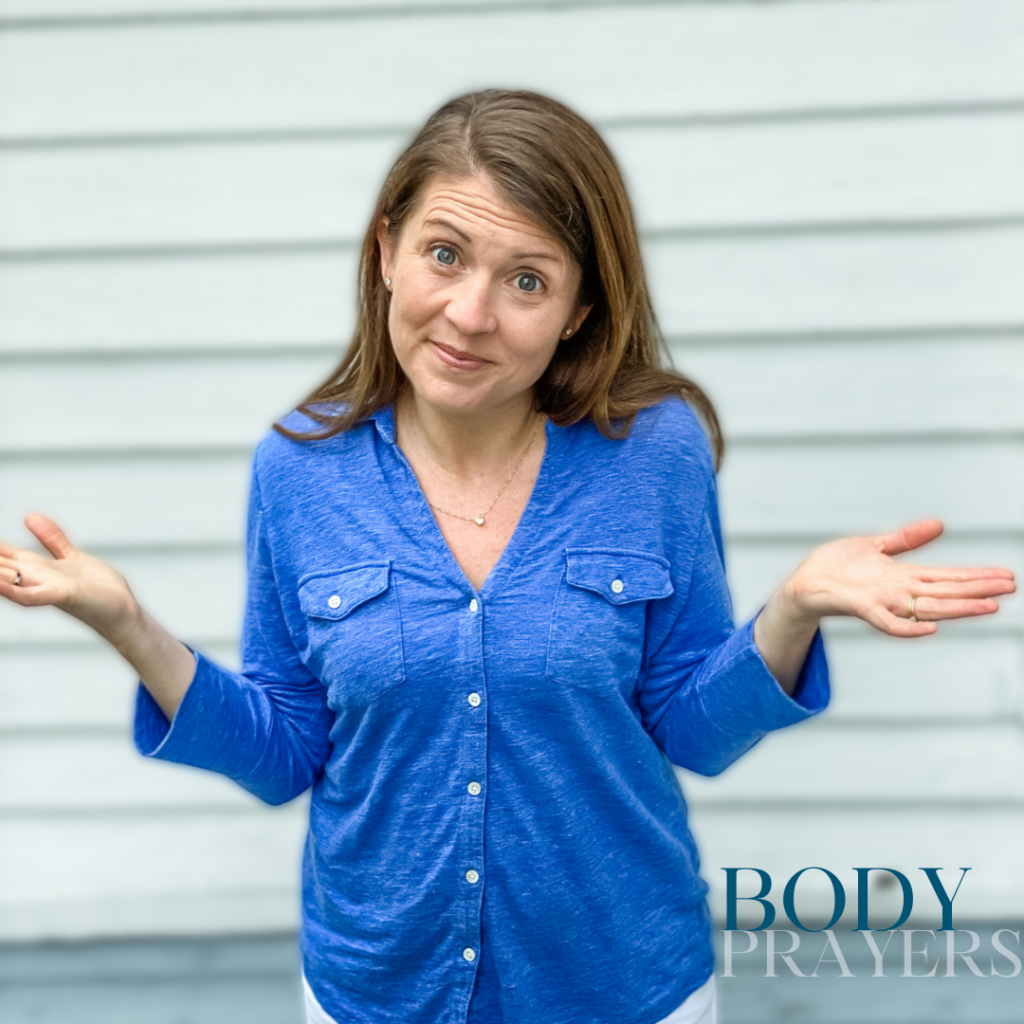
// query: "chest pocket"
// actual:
[[355, 632], [599, 619]]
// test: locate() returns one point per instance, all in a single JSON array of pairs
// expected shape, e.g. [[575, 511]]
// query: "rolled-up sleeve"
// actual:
[[707, 695], [268, 726]]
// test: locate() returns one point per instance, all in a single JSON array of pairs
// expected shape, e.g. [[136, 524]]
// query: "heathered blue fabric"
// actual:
[[589, 908]]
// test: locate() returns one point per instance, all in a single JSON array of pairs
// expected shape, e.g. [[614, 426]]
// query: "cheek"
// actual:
[[413, 305], [533, 353]]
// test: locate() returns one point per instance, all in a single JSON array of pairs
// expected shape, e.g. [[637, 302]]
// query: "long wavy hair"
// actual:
[[550, 163]]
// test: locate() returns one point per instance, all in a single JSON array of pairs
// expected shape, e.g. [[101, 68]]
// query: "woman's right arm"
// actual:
[[99, 596], [267, 727]]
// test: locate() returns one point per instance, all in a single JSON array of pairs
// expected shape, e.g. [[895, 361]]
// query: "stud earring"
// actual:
[[568, 331], [387, 282]]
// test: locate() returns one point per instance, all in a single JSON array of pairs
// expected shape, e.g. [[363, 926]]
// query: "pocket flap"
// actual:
[[333, 593], [618, 576]]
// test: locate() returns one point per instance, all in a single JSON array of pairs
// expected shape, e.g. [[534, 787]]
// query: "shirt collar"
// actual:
[[384, 420]]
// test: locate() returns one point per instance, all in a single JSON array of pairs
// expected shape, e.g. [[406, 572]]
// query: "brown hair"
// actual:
[[551, 164]]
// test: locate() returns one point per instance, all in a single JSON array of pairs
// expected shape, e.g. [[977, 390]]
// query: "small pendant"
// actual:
[[479, 520]]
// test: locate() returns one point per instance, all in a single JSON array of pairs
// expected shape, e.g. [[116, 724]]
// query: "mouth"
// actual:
[[457, 358]]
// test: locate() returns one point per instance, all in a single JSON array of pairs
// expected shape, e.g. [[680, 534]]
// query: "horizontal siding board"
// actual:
[[72, 689], [939, 761], [856, 389], [936, 763], [222, 911], [166, 584], [197, 595], [71, 774], [150, 853], [165, 403], [870, 281], [190, 195], [694, 59], [129, 500], [952, 676], [190, 875], [54, 11], [150, 874], [793, 390], [813, 172], [765, 490], [862, 487], [58, 693], [190, 301], [745, 284]]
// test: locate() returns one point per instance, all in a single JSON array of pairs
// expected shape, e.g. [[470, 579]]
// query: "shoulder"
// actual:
[[280, 461], [668, 439]]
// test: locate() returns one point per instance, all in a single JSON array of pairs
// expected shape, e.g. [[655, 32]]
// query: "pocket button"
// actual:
[[617, 586], [334, 601]]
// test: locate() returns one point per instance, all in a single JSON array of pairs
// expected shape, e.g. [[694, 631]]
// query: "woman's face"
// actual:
[[481, 297]]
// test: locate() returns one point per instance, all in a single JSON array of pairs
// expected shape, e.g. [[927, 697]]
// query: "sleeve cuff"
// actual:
[[754, 702], [179, 739]]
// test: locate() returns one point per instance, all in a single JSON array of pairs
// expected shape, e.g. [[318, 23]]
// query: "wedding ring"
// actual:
[[910, 610], [17, 578]]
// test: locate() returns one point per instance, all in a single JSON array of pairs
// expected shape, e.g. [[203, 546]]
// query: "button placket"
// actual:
[[473, 763]]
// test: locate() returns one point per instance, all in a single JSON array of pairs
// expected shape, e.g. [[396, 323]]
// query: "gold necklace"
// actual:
[[479, 518]]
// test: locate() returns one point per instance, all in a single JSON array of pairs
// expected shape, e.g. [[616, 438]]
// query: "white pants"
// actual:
[[699, 1007]]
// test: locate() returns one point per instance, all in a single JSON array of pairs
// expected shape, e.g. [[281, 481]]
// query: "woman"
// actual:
[[487, 609]]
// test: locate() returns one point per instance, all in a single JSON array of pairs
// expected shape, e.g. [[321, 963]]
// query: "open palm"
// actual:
[[71, 580], [860, 576]]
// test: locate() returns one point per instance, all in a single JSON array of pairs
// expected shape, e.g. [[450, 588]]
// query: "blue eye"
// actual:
[[528, 282], [445, 255]]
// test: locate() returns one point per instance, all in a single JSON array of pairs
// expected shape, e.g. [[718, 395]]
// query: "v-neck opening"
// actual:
[[504, 567]]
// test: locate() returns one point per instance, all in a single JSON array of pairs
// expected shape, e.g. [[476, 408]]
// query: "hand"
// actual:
[[859, 576], [71, 580]]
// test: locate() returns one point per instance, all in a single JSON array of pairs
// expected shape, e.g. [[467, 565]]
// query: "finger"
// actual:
[[910, 537], [948, 590], [50, 535], [886, 622], [27, 596], [939, 574], [10, 574], [932, 610]]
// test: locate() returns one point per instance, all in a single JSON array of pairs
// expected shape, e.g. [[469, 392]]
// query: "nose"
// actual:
[[470, 305]]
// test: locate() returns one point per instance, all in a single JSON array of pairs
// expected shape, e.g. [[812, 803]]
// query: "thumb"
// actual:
[[910, 537], [50, 535]]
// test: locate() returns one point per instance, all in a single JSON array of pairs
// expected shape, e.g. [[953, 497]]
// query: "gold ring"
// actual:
[[910, 610]]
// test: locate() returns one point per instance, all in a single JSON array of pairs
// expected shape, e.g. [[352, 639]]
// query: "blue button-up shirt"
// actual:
[[492, 786]]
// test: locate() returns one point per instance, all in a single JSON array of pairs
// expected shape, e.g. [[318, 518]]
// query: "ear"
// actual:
[[578, 317], [386, 244]]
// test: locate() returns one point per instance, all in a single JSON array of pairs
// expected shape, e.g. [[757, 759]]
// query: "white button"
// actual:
[[473, 605], [617, 586], [472, 876], [474, 788], [469, 954], [474, 699], [334, 601]]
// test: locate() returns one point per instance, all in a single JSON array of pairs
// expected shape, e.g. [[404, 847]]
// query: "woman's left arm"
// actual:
[[859, 576]]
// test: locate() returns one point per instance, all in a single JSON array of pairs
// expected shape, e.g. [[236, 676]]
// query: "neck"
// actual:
[[466, 443]]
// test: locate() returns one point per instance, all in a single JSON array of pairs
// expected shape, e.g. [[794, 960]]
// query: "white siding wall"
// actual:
[[832, 199]]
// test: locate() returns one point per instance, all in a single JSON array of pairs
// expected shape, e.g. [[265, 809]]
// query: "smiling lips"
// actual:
[[458, 359]]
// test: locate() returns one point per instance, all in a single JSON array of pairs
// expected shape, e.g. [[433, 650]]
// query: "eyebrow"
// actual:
[[441, 223]]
